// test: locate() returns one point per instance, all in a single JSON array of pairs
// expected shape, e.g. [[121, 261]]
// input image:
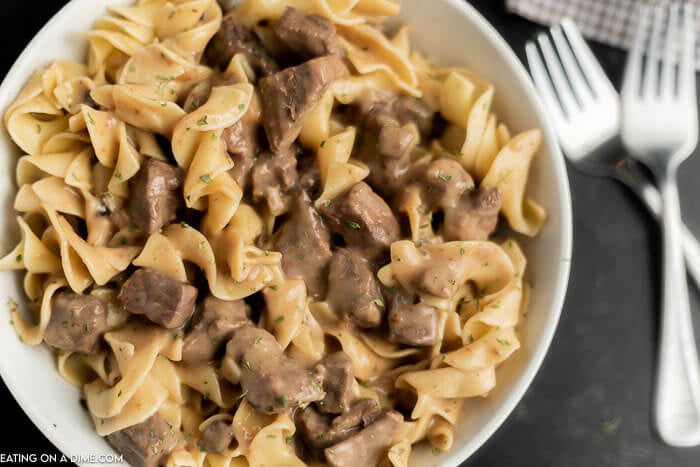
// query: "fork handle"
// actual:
[[677, 394], [631, 174]]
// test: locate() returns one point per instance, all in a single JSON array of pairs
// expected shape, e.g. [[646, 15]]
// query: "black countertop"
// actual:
[[590, 403]]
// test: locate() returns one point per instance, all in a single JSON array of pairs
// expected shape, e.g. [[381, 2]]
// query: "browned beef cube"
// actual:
[[271, 381], [393, 140], [367, 446], [164, 300], [321, 431], [274, 177], [411, 323], [306, 34], [338, 376], [474, 216], [445, 180], [155, 195], [77, 322], [363, 219], [407, 109], [145, 444], [214, 324], [287, 97], [353, 289], [216, 437], [304, 241], [233, 38]]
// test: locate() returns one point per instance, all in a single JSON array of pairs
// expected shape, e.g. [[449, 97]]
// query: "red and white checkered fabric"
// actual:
[[612, 22]]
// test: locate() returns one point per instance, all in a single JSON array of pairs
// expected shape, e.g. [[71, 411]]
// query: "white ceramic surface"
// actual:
[[451, 32]]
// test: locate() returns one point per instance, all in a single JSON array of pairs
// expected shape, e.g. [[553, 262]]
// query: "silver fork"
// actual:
[[660, 128], [585, 112]]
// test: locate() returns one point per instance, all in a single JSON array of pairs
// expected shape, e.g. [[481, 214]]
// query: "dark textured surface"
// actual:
[[590, 403]]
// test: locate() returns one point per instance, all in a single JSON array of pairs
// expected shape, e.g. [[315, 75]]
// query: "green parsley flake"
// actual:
[[18, 258], [118, 176], [280, 319], [206, 178], [444, 177], [200, 245], [353, 225], [241, 106], [461, 251], [90, 119], [38, 128], [274, 287], [172, 13], [610, 427], [378, 302], [123, 240], [323, 143], [502, 341], [184, 224], [257, 340], [202, 121]]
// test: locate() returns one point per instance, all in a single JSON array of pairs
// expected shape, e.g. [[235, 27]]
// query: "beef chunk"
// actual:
[[289, 95], [214, 324], [474, 217], [353, 289], [338, 376], [216, 437], [271, 381], [145, 444], [164, 300], [368, 445], [304, 241], [407, 109], [445, 180], [233, 38], [155, 195], [306, 34], [321, 431], [394, 140], [363, 219], [439, 279], [274, 177], [411, 323], [77, 322]]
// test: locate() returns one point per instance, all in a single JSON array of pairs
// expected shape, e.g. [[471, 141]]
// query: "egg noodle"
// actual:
[[85, 130]]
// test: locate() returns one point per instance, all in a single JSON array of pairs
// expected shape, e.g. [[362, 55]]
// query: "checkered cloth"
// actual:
[[612, 22]]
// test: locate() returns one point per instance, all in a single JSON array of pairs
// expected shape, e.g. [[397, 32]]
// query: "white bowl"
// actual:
[[450, 32]]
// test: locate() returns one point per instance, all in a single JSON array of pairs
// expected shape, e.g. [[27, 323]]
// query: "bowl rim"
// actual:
[[457, 454]]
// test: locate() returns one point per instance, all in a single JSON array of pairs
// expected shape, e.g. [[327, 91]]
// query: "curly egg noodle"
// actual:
[[143, 61]]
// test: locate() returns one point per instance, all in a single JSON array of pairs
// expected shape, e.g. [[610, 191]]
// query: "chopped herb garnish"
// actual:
[[241, 106], [365, 48], [323, 143], [353, 225], [257, 340], [271, 436], [118, 176], [452, 281], [202, 121], [378, 302], [243, 394], [425, 226], [38, 128], [270, 408], [200, 245], [18, 258], [184, 224], [274, 287], [610, 427], [317, 385], [123, 240], [86, 329], [132, 69], [279, 319], [444, 177], [205, 178], [246, 366], [327, 202], [300, 256], [172, 13], [90, 119], [213, 136], [502, 341], [461, 251], [177, 336], [206, 396]]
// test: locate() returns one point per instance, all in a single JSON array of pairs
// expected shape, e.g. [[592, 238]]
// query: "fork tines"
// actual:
[[574, 88]]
